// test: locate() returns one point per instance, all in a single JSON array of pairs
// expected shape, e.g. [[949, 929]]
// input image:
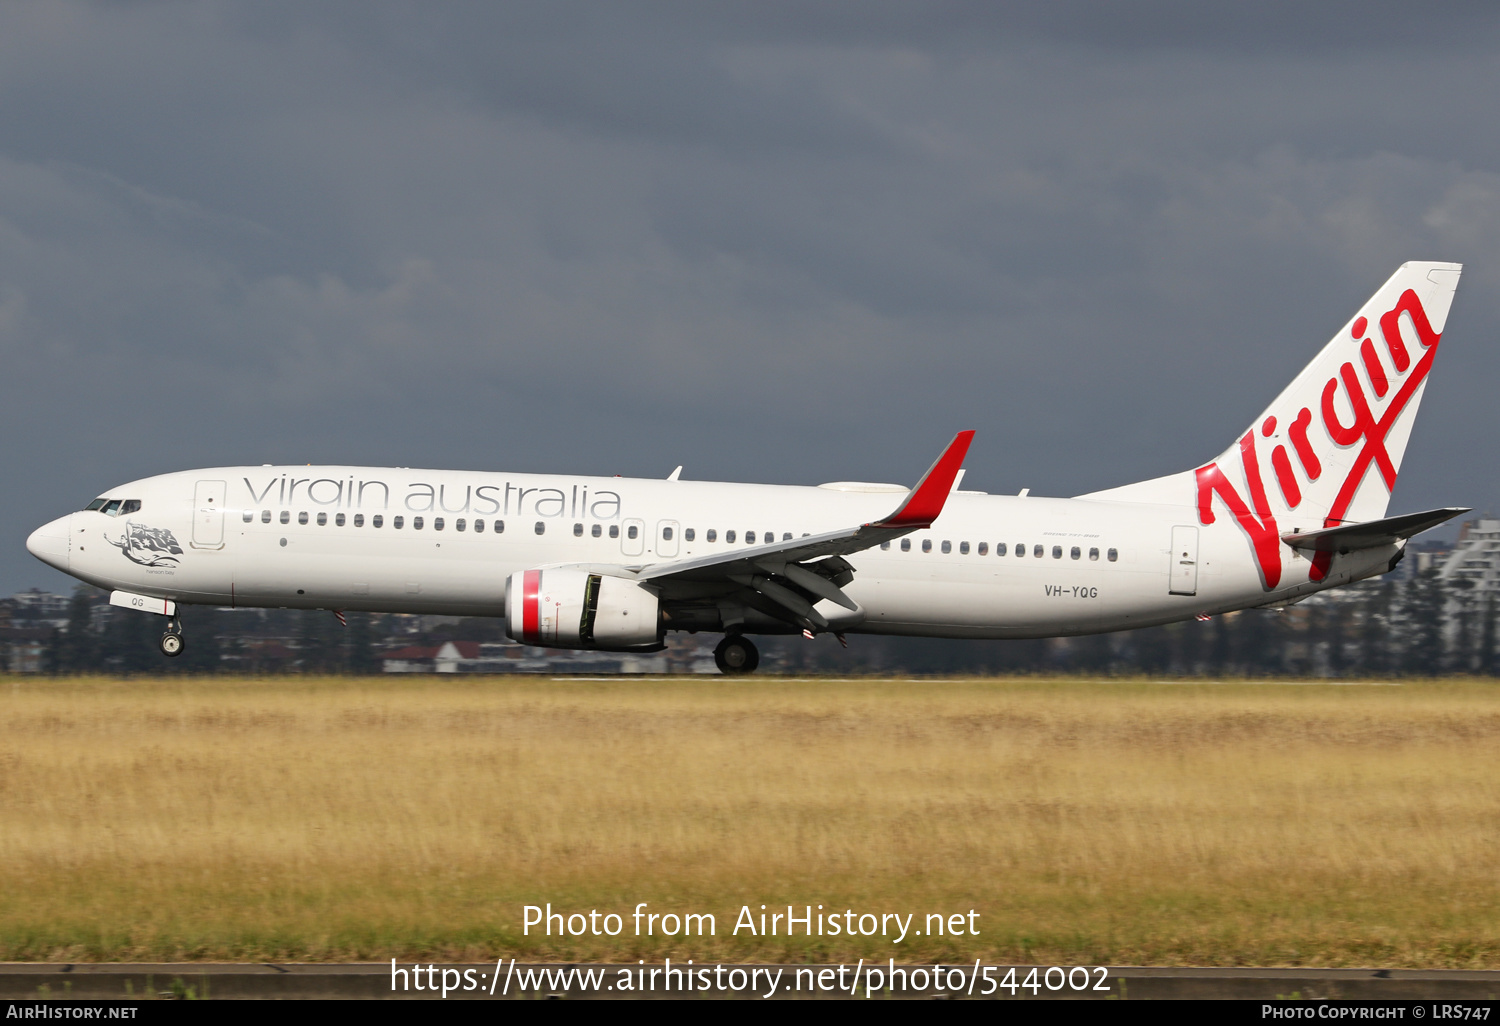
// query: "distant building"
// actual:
[[23, 649], [1476, 556], [40, 608]]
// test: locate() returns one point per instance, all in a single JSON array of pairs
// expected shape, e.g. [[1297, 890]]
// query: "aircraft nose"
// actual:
[[49, 543]]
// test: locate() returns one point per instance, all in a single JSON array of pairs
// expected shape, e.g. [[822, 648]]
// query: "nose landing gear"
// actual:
[[736, 655], [171, 643]]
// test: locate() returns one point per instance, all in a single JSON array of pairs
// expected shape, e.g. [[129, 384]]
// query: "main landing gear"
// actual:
[[171, 642], [736, 655]]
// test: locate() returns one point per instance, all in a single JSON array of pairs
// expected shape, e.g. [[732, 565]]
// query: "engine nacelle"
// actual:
[[577, 609]]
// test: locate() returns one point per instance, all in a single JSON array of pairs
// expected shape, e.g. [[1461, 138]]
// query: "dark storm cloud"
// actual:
[[781, 242]]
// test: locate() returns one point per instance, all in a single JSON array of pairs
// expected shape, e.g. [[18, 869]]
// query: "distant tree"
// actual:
[[1092, 653], [1152, 649], [128, 645], [78, 652], [1374, 654], [201, 652], [1423, 609], [363, 658], [321, 649], [1193, 638], [1459, 601], [1486, 655], [1217, 651], [1258, 642], [54, 653], [1331, 627]]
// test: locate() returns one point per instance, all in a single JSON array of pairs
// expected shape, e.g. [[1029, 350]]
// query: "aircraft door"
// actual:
[[666, 537], [208, 515], [1183, 574], [633, 537]]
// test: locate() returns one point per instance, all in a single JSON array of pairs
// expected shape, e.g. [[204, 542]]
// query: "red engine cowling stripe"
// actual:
[[531, 588]]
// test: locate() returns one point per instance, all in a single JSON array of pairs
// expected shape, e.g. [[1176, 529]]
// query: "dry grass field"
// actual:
[[1087, 822]]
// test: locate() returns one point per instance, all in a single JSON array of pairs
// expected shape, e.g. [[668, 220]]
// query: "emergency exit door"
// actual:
[[633, 537], [208, 515], [1184, 564]]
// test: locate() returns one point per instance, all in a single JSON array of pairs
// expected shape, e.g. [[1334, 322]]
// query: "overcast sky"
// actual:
[[771, 242]]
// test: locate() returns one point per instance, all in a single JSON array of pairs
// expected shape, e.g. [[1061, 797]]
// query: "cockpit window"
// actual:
[[114, 507]]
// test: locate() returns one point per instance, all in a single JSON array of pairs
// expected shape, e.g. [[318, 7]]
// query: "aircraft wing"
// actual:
[[1372, 534], [918, 509], [792, 575]]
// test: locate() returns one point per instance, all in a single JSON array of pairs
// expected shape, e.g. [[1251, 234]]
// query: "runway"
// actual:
[[303, 981]]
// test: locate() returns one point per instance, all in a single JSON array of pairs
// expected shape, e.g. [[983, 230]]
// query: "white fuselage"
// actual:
[[306, 537]]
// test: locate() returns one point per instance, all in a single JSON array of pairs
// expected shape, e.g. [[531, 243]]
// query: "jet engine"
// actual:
[[577, 609]]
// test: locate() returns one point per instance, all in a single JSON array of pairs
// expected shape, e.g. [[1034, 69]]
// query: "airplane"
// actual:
[[1296, 504]]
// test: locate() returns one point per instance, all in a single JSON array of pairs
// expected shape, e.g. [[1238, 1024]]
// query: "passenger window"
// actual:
[[596, 530], [478, 526], [130, 506], [359, 520], [460, 524], [1039, 551], [729, 537], [286, 516], [499, 526], [787, 536], [398, 522], [666, 534], [541, 527], [96, 504], [614, 530], [377, 521], [249, 515], [749, 537], [322, 519], [416, 523], [632, 532], [905, 544], [437, 523], [302, 517], [885, 546], [577, 530], [1000, 548], [1094, 553], [713, 535], [1113, 555], [688, 534], [984, 548], [947, 547], [926, 544], [265, 516], [1076, 552], [1057, 552]]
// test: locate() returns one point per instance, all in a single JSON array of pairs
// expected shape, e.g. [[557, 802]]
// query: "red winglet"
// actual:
[[925, 501]]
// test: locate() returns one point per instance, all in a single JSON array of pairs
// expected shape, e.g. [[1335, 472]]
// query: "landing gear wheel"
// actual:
[[736, 655], [171, 644]]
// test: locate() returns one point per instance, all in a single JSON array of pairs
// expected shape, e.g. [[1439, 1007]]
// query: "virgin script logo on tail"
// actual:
[[1368, 429]]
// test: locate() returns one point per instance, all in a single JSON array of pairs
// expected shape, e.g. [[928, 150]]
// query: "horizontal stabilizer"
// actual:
[[1371, 535]]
